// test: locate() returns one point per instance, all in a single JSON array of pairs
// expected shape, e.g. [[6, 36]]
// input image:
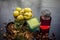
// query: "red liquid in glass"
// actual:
[[45, 25]]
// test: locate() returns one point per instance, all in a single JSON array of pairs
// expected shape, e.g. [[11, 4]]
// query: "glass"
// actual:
[[45, 20]]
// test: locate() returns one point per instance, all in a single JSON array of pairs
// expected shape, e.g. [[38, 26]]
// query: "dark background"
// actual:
[[7, 7]]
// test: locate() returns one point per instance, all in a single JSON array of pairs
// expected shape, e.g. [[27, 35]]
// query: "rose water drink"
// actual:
[[45, 20]]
